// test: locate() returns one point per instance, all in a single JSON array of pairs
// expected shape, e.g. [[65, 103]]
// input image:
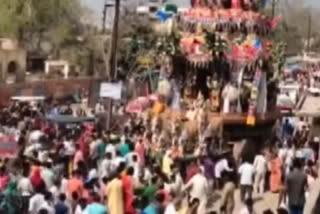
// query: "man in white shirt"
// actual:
[[111, 149], [24, 185], [246, 171], [221, 165], [260, 167], [34, 136], [47, 204], [199, 189], [35, 203], [107, 166]]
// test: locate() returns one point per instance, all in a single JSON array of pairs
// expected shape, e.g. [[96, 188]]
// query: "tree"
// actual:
[[31, 20]]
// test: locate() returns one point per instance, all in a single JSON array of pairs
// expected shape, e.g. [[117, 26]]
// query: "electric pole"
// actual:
[[309, 32], [114, 42], [106, 5], [273, 8], [113, 56]]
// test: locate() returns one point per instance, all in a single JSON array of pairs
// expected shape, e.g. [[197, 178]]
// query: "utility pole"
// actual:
[[114, 42], [273, 8], [106, 5], [113, 56], [309, 32]]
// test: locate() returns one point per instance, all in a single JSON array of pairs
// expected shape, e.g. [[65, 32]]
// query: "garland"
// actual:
[[251, 118]]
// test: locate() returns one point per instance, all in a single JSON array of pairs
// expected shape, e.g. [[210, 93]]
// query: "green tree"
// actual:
[[31, 20]]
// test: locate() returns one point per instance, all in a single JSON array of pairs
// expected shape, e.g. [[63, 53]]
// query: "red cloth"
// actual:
[[236, 4], [4, 180], [167, 196], [192, 171], [140, 151], [84, 146], [128, 194], [36, 179]]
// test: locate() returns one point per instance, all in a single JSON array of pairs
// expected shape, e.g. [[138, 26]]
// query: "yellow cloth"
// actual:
[[114, 194], [251, 120], [166, 165], [183, 210]]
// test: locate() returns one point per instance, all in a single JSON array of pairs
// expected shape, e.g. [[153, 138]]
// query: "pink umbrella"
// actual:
[[138, 105]]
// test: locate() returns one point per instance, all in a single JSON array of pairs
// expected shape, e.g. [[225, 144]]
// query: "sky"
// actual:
[[97, 5]]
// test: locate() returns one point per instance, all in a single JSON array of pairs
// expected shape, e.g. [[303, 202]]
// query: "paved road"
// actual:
[[270, 201]]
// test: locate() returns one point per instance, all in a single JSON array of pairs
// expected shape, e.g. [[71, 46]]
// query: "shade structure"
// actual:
[[68, 119], [138, 105]]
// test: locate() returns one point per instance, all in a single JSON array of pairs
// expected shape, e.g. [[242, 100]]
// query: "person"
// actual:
[[166, 163], [246, 171], [114, 193], [140, 150], [227, 197], [172, 206], [124, 148], [156, 206], [127, 182], [10, 203], [75, 184], [36, 201], [268, 211], [199, 189], [61, 207], [47, 175], [81, 206], [151, 190], [96, 207], [77, 157], [47, 203], [221, 165], [106, 167], [276, 173], [248, 208], [24, 185], [36, 179], [296, 185], [260, 168], [282, 211]]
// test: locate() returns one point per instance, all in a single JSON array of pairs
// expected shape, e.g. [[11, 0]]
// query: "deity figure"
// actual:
[[200, 100], [190, 89], [213, 103], [202, 121]]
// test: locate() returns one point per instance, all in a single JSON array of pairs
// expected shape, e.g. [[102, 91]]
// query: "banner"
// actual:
[[111, 90], [8, 147]]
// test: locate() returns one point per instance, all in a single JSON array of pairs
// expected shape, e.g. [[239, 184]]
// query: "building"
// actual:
[[13, 60]]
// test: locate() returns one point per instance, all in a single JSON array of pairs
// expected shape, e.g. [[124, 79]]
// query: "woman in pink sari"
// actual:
[[276, 173]]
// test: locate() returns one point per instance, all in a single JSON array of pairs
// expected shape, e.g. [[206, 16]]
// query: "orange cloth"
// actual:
[[275, 177], [74, 185], [158, 108]]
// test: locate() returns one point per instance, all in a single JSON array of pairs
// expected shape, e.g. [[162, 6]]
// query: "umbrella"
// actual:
[[138, 105]]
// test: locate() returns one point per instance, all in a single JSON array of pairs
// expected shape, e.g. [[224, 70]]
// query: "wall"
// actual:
[[19, 56]]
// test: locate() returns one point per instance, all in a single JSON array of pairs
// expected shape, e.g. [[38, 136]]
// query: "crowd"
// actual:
[[84, 169]]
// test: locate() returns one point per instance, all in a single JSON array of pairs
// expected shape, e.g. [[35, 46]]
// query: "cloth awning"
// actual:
[[68, 119]]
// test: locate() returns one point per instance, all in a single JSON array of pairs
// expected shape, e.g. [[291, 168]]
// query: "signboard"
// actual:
[[8, 147], [111, 90]]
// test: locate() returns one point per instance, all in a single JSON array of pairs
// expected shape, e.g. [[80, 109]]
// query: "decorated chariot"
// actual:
[[217, 73]]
